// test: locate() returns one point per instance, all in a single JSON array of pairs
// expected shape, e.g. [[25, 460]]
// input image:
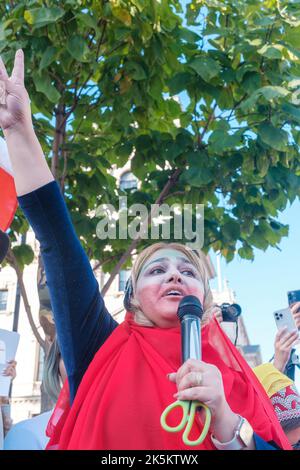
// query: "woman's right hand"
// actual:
[[284, 342], [295, 308], [16, 110]]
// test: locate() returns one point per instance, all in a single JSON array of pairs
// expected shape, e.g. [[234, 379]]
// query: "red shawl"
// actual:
[[125, 389]]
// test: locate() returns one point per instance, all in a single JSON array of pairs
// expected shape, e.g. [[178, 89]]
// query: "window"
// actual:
[[123, 276], [128, 181], [3, 300]]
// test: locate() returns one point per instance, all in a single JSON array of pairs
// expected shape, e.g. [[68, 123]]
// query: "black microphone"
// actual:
[[190, 312], [4, 244]]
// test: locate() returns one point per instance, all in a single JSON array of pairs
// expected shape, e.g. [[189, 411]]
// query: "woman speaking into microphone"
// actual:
[[122, 377]]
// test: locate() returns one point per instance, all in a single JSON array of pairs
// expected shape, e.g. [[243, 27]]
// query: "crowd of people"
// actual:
[[120, 378]]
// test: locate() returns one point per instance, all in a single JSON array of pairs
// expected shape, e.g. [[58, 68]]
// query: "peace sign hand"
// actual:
[[14, 99]]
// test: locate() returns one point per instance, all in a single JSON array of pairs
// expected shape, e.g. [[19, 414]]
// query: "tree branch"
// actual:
[[76, 97], [58, 137], [171, 182], [176, 193], [210, 119], [103, 263], [13, 262], [165, 192]]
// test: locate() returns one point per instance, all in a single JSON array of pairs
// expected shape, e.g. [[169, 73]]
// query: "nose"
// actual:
[[174, 276]]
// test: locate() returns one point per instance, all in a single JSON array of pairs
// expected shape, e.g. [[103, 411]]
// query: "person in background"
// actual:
[[284, 340], [30, 434], [5, 418], [284, 344], [285, 399]]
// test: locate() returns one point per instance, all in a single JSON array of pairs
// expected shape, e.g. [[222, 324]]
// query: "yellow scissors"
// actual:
[[189, 409]]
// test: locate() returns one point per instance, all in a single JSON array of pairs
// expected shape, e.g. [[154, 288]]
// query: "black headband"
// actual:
[[128, 294]]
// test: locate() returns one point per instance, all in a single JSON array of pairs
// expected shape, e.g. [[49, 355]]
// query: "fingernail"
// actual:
[[171, 375]]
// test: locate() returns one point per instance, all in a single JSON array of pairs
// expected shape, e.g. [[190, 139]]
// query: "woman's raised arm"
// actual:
[[82, 321], [29, 165]]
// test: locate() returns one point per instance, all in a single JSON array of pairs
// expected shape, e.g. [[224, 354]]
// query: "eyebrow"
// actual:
[[167, 259]]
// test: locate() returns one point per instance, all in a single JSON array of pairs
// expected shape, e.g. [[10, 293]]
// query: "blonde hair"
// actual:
[[196, 257], [51, 375]]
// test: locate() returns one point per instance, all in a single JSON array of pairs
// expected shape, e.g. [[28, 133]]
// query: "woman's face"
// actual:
[[165, 271], [294, 437]]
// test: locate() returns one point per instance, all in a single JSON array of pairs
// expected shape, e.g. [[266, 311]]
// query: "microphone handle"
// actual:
[[191, 338]]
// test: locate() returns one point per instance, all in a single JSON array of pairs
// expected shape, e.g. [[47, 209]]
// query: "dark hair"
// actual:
[[290, 424]]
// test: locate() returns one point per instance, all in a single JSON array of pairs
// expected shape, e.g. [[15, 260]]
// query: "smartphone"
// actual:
[[293, 296], [284, 317]]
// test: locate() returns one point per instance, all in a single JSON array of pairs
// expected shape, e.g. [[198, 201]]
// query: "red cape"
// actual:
[[125, 389]]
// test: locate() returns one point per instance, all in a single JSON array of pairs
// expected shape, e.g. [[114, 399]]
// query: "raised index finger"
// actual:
[[18, 70]]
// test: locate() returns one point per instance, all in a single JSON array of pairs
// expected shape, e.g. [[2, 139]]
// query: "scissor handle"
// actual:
[[185, 406], [189, 410]]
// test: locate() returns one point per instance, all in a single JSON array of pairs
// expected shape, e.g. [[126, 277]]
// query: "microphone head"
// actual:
[[4, 244], [190, 305]]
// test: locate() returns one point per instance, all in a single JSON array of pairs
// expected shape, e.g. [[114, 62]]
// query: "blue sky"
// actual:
[[261, 286]]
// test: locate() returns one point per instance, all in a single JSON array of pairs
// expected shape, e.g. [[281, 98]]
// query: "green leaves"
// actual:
[[231, 230], [48, 57], [39, 17], [292, 111], [78, 48], [272, 92], [136, 71], [206, 67], [271, 52], [24, 255], [220, 141], [87, 20], [197, 177], [179, 82], [43, 84], [273, 137], [269, 93], [267, 233], [217, 101], [122, 14]]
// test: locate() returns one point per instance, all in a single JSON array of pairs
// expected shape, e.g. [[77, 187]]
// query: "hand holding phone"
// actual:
[[284, 318], [293, 296], [285, 341]]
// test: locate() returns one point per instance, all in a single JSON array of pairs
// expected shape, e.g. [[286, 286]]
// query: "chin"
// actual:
[[168, 319]]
